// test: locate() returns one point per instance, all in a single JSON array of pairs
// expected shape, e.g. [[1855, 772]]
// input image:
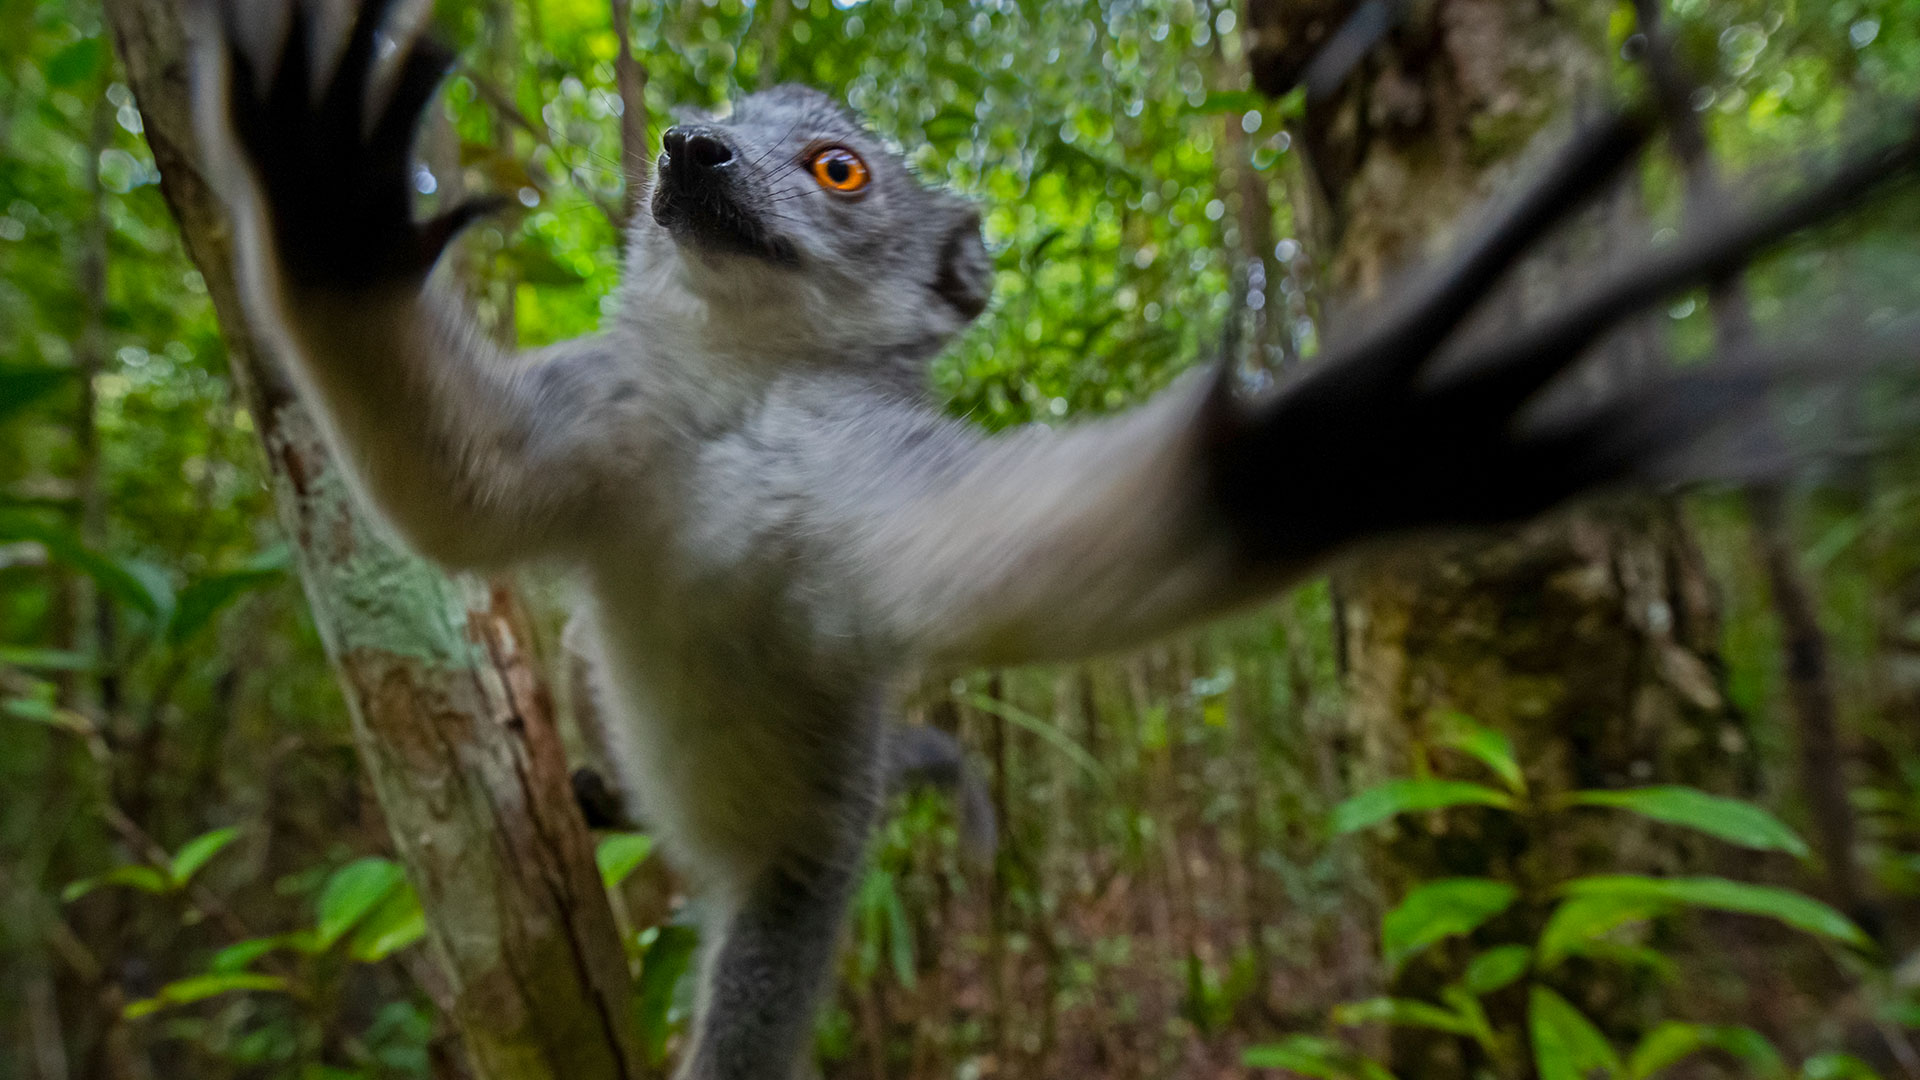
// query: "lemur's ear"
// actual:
[[965, 278]]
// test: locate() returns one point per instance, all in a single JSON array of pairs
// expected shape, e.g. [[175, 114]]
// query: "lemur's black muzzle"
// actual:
[[694, 155], [709, 197]]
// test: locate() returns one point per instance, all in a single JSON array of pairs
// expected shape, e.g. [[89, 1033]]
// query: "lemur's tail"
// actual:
[[926, 757]]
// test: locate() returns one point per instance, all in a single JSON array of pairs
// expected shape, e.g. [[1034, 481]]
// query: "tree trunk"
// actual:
[[450, 718], [1591, 637]]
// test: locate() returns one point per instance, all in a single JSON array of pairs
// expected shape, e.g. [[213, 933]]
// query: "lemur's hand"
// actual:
[[1401, 431], [331, 150]]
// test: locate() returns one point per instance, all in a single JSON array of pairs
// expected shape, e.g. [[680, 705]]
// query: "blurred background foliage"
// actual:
[[194, 878]]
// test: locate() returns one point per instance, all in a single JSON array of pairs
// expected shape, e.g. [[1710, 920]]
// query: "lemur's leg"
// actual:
[[767, 973]]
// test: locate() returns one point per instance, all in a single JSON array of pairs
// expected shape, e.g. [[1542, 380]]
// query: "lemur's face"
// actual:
[[791, 181]]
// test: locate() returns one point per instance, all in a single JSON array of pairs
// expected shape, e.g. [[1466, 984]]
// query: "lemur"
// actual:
[[770, 520]]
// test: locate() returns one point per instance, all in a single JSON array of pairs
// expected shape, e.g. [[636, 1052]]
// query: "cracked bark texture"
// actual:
[[1590, 638], [452, 723]]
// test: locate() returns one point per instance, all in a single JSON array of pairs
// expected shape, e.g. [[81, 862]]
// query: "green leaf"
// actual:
[[620, 854], [1566, 1045], [1720, 894], [662, 967], [352, 892], [241, 954], [206, 597], [1628, 955], [1674, 1041], [1579, 921], [1379, 804], [397, 923], [900, 941], [1402, 1012], [1491, 748], [1312, 1055], [1837, 1066], [1048, 733], [125, 580], [201, 987], [29, 659], [76, 63], [883, 921], [1440, 909], [23, 386], [1496, 969], [196, 853], [1731, 820], [144, 878], [1472, 1013], [40, 708]]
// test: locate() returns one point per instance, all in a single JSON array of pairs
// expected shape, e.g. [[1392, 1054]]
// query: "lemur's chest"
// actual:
[[730, 659]]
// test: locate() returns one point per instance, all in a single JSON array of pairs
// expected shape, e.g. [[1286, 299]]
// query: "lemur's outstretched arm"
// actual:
[[476, 456], [1050, 545]]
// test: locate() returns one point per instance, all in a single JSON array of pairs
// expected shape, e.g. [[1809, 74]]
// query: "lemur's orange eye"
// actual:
[[840, 169]]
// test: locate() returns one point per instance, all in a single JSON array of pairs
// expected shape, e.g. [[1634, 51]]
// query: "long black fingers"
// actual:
[[422, 71], [1641, 434], [1508, 371], [337, 179], [291, 91], [347, 92], [1366, 27], [1630, 437], [1410, 334]]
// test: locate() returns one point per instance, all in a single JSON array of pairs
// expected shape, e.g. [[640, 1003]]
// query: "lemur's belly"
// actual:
[[734, 756]]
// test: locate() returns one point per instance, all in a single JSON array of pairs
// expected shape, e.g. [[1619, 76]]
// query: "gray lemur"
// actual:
[[772, 523]]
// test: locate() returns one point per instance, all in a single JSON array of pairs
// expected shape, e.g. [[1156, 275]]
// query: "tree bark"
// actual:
[[450, 718]]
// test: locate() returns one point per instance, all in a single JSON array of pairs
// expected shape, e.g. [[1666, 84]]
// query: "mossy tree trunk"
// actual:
[[449, 714], [1589, 638]]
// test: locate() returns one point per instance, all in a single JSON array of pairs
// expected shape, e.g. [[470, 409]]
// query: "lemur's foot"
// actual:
[[331, 151], [599, 803]]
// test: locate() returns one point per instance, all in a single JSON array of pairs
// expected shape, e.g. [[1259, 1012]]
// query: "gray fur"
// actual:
[[770, 523]]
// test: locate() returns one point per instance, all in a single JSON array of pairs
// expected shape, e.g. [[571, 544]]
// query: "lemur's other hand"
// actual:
[[330, 144], [1406, 429]]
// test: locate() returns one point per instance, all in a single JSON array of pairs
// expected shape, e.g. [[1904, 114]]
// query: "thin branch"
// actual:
[[630, 75], [502, 105]]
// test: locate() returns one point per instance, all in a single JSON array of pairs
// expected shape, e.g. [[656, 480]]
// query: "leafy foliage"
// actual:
[[1566, 1044]]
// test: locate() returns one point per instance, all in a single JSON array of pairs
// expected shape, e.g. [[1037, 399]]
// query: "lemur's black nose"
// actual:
[[698, 148]]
